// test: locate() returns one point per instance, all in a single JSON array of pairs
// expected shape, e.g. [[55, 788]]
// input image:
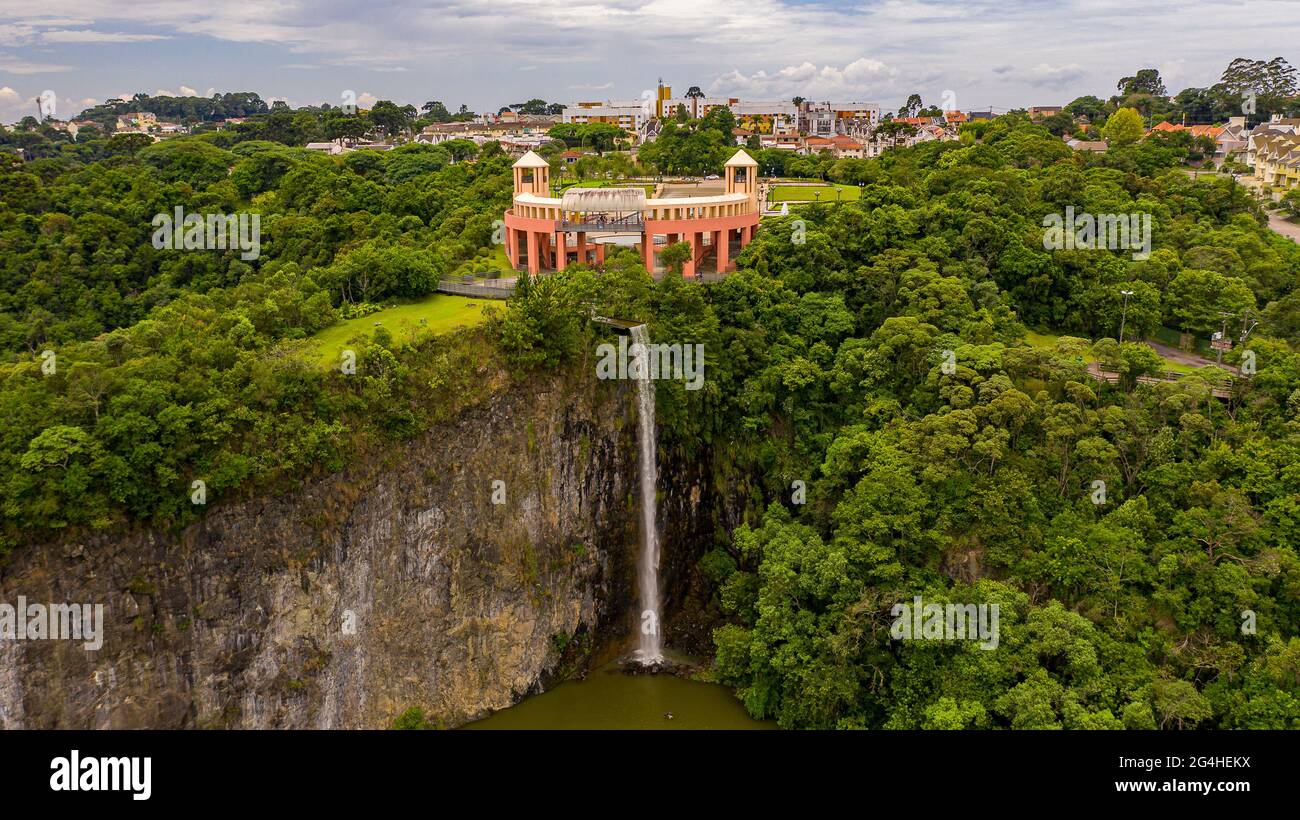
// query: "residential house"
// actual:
[[1231, 141], [815, 145], [1098, 146], [136, 123], [331, 148], [788, 142], [847, 148], [1277, 159]]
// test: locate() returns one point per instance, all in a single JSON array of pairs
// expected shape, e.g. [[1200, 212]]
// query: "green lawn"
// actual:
[[1179, 367], [1048, 341], [605, 183], [442, 313], [806, 193]]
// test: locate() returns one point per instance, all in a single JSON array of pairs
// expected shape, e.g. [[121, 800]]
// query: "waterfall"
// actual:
[[648, 650]]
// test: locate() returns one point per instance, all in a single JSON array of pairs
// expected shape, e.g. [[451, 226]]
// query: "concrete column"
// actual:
[[534, 263], [689, 268], [648, 250], [510, 247], [600, 253], [724, 249], [561, 250], [582, 247]]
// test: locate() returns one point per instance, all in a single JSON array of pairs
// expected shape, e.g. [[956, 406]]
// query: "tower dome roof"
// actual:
[[531, 160], [740, 158]]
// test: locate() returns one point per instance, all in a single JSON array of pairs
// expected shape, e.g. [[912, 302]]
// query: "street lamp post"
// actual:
[[1223, 335], [1123, 314]]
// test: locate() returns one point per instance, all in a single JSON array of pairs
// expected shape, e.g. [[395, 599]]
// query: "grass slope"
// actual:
[[442, 313]]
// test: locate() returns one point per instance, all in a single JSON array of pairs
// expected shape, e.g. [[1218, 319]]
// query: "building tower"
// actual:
[[532, 175], [662, 94], [742, 177]]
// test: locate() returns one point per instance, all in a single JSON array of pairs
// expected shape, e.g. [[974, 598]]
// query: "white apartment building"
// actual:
[[695, 106], [629, 115], [826, 119]]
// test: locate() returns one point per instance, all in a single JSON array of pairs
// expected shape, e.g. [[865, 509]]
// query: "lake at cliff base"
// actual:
[[610, 699]]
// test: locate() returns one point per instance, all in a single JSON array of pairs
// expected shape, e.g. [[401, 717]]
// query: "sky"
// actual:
[[968, 54]]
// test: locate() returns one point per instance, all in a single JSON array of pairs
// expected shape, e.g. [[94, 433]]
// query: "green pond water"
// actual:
[[609, 699]]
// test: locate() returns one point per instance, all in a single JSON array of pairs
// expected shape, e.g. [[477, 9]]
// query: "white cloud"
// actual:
[[1054, 76], [90, 36], [775, 48], [13, 35], [15, 106], [17, 65], [861, 76]]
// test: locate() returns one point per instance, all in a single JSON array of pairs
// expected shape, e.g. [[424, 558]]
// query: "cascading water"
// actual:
[[649, 651]]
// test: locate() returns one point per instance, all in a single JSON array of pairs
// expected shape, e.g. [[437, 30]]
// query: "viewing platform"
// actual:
[[546, 233]]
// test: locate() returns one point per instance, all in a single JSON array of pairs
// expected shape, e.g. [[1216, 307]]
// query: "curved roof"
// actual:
[[531, 160], [691, 201], [603, 200]]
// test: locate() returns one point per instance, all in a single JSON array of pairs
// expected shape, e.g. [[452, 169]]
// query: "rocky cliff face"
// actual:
[[394, 584]]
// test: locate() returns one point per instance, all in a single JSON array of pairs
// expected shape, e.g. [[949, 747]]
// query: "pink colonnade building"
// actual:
[[546, 233]]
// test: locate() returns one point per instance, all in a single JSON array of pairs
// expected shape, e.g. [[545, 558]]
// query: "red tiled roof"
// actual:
[[1211, 131]]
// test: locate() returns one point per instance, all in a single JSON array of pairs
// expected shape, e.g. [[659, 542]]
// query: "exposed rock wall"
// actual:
[[460, 605]]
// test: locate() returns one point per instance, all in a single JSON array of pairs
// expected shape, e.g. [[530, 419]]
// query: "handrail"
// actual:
[[628, 223]]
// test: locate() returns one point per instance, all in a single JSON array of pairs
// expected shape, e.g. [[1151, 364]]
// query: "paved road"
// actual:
[[1281, 226], [1290, 230], [1180, 356]]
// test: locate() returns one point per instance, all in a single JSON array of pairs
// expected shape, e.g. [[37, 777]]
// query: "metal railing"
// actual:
[[502, 291], [625, 224]]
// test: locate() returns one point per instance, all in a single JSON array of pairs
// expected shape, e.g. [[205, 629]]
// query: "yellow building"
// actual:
[[1277, 159]]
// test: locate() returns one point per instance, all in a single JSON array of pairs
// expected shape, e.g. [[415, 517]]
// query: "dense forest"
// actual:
[[1174, 603], [172, 365], [825, 364]]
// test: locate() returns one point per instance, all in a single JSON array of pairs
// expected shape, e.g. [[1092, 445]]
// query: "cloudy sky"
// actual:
[[982, 53]]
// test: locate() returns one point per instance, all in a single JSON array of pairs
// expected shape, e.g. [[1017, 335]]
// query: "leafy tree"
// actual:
[[1146, 81], [1124, 127], [675, 256]]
